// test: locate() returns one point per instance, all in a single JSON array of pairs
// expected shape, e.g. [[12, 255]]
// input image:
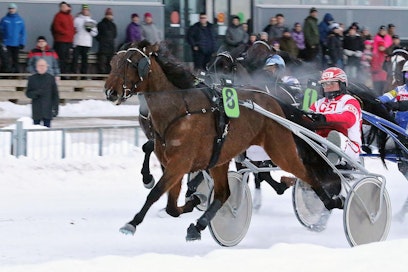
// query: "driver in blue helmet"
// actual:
[[397, 100], [275, 65]]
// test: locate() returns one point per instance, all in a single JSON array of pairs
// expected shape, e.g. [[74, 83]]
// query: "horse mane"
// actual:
[[175, 71]]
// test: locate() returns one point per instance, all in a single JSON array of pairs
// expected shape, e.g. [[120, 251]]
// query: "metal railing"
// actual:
[[70, 142]]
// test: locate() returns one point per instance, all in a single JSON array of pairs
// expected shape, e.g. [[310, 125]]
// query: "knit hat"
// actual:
[[313, 9], [12, 6], [85, 6], [108, 11], [41, 38], [368, 42], [134, 15], [148, 14], [381, 43], [395, 36], [382, 27]]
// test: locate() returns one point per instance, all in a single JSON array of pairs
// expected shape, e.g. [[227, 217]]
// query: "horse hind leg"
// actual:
[[148, 179], [279, 187]]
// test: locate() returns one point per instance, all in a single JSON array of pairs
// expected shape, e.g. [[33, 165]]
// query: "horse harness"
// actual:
[[213, 95]]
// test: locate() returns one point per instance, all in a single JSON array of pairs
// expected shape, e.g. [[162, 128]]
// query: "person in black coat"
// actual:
[[107, 33], [202, 38], [43, 90]]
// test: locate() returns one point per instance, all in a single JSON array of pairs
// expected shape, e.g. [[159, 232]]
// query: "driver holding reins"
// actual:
[[342, 111], [397, 100]]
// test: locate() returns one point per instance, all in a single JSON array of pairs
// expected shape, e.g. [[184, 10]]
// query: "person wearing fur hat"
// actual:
[[107, 33], [150, 31], [14, 36], [85, 30]]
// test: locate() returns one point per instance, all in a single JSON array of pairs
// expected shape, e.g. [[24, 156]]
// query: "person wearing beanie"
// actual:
[[85, 30], [43, 51], [107, 33], [62, 29], [14, 36], [134, 30], [150, 31]]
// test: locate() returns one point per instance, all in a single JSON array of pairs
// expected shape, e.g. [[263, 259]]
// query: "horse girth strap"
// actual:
[[221, 125]]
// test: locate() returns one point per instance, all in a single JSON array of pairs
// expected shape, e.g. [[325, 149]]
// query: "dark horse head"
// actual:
[[394, 68], [131, 66], [256, 56]]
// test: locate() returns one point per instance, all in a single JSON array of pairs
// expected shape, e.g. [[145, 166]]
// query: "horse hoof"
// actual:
[[149, 182], [202, 198], [193, 233], [128, 229]]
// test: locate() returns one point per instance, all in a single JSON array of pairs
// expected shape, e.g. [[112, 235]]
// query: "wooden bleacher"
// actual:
[[13, 85]]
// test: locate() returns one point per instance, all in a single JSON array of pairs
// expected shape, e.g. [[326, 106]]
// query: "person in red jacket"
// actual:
[[63, 31], [379, 75]]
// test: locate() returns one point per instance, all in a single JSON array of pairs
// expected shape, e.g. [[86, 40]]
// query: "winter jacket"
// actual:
[[400, 93], [353, 49], [299, 38], [202, 36], [289, 45], [13, 29], [49, 55], [151, 33], [234, 36], [386, 39], [43, 91], [377, 72], [335, 48], [82, 37], [106, 36], [275, 31], [324, 28], [62, 27], [311, 31], [133, 33]]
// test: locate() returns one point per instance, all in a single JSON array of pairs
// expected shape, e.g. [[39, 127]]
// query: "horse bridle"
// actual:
[[128, 92]]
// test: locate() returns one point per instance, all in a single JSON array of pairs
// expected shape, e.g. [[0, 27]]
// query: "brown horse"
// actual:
[[187, 132]]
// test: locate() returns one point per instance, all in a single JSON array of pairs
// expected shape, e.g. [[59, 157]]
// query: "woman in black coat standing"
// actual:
[[43, 91]]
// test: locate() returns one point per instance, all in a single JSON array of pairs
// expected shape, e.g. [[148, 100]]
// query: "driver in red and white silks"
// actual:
[[340, 109]]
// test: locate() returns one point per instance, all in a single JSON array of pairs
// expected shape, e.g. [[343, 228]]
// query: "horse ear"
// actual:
[[155, 48]]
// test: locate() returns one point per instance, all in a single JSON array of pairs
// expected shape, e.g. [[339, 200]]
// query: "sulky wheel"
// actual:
[[231, 223], [367, 212], [308, 208]]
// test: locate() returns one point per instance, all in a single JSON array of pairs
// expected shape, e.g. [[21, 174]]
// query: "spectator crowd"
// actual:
[[327, 43]]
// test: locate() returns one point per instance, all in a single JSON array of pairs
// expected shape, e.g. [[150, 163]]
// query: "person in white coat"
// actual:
[[85, 30]]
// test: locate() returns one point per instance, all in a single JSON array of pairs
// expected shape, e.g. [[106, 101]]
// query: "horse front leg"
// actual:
[[166, 182], [148, 179], [221, 194]]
